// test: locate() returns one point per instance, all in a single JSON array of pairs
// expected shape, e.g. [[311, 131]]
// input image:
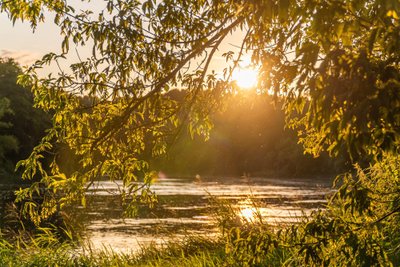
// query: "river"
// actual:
[[184, 208]]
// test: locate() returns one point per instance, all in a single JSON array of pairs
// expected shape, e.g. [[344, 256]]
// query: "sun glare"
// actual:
[[248, 214], [245, 78]]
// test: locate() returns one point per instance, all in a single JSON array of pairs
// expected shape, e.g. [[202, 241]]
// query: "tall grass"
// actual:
[[44, 249], [190, 252], [326, 238]]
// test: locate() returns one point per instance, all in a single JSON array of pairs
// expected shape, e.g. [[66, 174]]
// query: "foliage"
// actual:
[[190, 252], [248, 136], [125, 82], [347, 71], [357, 230], [26, 124], [7, 142], [335, 62], [43, 248], [360, 227]]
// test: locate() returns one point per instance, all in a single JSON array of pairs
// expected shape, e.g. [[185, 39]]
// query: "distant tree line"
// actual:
[[248, 138], [22, 126]]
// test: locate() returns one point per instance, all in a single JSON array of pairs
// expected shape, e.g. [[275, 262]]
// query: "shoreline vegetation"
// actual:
[[45, 248], [320, 239]]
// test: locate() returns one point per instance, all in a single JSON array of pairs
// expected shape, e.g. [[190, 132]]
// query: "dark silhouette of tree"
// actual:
[[8, 142], [28, 124]]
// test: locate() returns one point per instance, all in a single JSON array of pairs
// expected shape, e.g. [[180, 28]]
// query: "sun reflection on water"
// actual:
[[248, 211], [248, 214], [186, 209]]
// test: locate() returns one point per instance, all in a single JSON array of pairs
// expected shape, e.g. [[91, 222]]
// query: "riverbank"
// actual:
[[200, 252], [187, 207], [224, 249], [44, 250], [241, 243]]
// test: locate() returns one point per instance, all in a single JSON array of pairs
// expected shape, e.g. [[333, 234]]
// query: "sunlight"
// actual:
[[248, 214], [246, 78]]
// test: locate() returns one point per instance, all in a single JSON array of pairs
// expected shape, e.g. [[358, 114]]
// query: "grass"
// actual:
[[243, 243], [190, 252], [44, 249]]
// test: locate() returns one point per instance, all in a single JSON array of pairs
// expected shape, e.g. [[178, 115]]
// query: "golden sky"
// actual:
[[21, 43]]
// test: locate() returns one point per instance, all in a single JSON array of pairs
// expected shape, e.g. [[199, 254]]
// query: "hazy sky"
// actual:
[[19, 42]]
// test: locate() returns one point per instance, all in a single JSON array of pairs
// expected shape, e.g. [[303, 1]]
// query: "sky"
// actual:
[[25, 46], [19, 42]]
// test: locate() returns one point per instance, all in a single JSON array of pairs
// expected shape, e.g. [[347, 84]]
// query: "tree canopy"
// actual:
[[335, 62]]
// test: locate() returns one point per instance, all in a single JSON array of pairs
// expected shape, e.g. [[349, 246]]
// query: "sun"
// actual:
[[246, 78]]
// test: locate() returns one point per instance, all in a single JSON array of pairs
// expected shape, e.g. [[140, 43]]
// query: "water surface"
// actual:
[[184, 208]]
